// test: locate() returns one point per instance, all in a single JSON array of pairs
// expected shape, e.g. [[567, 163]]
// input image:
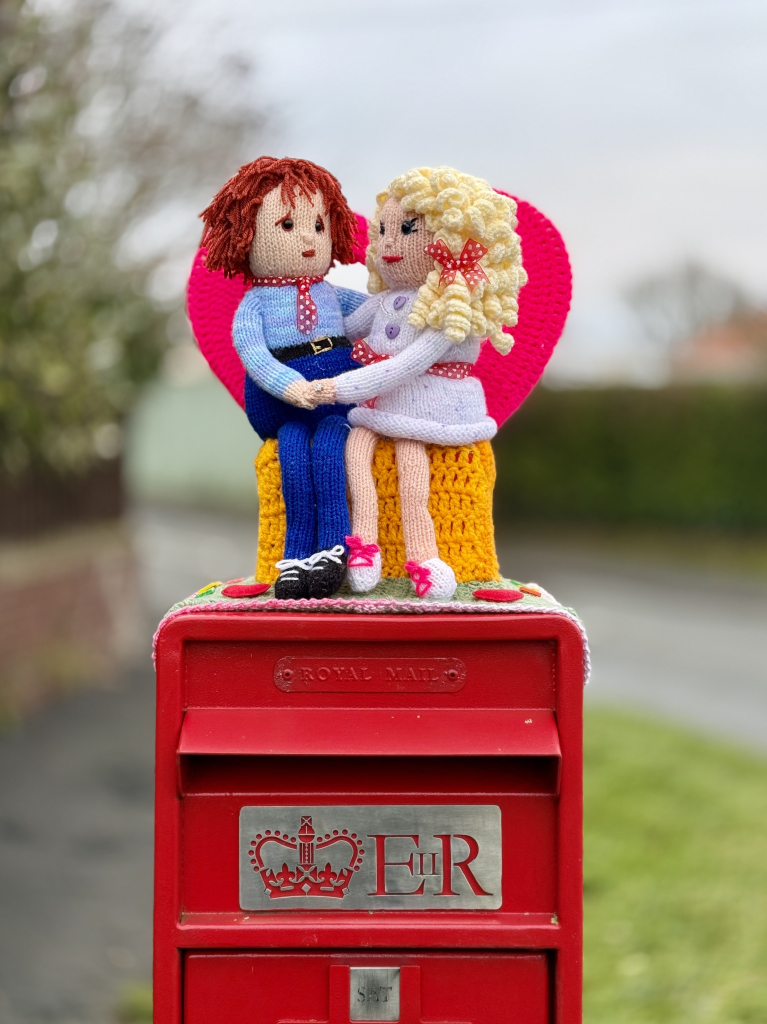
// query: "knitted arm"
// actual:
[[378, 378], [359, 323], [348, 299], [250, 343]]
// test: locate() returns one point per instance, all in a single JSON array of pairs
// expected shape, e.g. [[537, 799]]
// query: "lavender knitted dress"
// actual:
[[409, 402]]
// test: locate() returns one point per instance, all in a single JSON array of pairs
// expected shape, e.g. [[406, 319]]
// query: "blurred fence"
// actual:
[[680, 457]]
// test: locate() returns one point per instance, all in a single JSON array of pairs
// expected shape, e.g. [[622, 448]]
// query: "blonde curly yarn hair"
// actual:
[[457, 207]]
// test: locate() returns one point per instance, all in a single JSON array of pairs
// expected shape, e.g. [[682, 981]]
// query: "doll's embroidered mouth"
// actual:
[[392, 259], [308, 252]]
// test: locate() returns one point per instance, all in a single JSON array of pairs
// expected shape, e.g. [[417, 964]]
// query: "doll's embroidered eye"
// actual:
[[381, 229], [319, 225], [287, 224], [409, 226]]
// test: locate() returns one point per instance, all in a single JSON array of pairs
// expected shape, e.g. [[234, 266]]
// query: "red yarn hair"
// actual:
[[230, 220]]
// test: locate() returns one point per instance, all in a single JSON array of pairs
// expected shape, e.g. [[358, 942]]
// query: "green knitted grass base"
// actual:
[[395, 590]]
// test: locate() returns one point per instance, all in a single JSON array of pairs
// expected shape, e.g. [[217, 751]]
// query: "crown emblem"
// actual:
[[343, 850]]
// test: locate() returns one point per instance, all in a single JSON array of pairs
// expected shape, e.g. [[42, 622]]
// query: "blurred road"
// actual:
[[76, 794]]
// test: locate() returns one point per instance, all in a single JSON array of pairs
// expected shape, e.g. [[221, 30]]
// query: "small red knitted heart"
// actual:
[[498, 595], [212, 301], [245, 589]]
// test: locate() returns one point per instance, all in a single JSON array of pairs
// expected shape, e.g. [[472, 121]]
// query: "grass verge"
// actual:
[[675, 877], [135, 1004]]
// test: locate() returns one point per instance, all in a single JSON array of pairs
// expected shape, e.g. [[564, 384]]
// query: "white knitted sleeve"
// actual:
[[359, 323], [377, 378]]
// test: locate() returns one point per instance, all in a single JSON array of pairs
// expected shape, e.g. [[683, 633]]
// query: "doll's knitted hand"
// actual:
[[300, 393], [323, 391]]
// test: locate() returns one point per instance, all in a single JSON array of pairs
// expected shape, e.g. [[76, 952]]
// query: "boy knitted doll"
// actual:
[[282, 223]]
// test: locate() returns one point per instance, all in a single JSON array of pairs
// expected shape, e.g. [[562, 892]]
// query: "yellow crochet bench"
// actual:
[[461, 504]]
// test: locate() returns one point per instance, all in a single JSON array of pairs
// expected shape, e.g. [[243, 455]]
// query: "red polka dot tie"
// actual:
[[306, 310]]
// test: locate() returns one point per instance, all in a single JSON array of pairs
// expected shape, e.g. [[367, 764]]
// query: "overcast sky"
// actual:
[[638, 126]]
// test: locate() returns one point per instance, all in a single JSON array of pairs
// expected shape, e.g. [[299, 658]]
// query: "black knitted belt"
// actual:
[[310, 348]]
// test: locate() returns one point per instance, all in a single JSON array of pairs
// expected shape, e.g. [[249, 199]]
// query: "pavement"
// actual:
[[76, 793], [76, 810]]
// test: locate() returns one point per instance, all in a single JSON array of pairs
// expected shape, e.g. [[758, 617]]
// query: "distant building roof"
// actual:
[[735, 352]]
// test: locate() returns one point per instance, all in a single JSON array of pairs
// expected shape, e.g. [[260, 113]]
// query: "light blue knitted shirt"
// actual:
[[266, 320]]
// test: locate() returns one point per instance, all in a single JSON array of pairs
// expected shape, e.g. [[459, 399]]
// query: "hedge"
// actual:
[[682, 456]]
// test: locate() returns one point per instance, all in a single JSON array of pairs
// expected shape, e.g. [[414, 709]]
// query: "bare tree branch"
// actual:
[[101, 153], [671, 307]]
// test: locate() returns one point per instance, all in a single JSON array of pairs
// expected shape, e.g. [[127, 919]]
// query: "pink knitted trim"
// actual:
[[421, 577], [212, 301], [361, 555], [371, 606]]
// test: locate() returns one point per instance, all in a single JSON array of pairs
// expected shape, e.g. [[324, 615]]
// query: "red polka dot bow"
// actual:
[[467, 262], [306, 310]]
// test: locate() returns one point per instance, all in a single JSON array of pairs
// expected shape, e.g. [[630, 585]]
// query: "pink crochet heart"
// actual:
[[543, 306], [212, 301]]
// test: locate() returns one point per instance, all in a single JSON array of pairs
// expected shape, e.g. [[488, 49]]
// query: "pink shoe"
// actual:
[[433, 579], [364, 565]]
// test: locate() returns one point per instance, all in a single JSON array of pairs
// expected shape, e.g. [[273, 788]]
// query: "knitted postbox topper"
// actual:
[[212, 301]]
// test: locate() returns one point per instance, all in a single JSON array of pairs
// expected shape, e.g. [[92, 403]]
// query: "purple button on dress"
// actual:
[[392, 331], [399, 302]]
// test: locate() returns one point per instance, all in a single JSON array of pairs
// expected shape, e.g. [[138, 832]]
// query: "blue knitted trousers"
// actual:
[[314, 485], [313, 472]]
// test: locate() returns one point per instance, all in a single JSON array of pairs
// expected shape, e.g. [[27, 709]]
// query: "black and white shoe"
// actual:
[[326, 571], [292, 582]]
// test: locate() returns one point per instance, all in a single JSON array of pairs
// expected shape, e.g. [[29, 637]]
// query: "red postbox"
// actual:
[[368, 818]]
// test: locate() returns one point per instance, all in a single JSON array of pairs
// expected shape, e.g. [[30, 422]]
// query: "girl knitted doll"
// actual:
[[446, 263], [282, 223]]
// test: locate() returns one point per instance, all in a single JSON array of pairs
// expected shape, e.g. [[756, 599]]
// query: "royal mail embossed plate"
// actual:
[[371, 857]]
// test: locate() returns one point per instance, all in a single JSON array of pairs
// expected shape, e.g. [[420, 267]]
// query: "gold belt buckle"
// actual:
[[318, 347]]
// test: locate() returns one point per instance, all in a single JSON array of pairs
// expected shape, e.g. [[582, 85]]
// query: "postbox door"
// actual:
[[317, 988]]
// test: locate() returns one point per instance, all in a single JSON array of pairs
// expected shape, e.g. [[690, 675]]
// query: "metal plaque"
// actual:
[[371, 857], [369, 675], [374, 993]]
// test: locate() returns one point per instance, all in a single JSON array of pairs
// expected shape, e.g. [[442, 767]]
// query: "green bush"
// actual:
[[682, 456], [77, 334], [98, 142]]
